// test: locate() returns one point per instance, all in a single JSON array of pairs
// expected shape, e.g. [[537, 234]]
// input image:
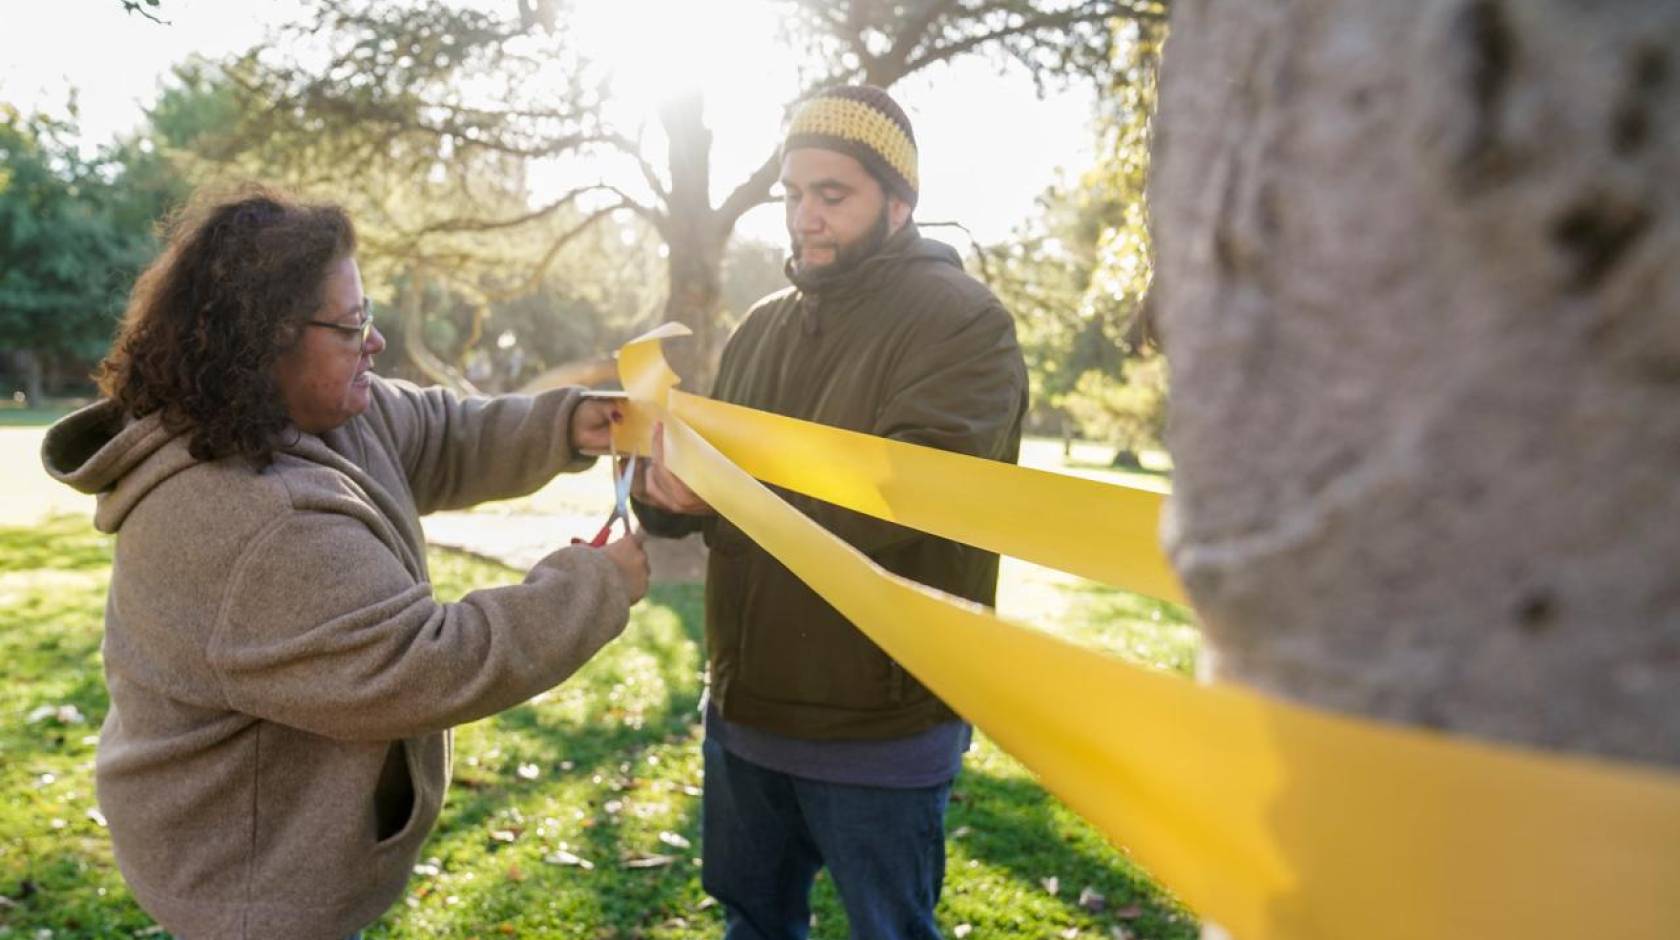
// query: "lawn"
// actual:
[[575, 815], [13, 416]]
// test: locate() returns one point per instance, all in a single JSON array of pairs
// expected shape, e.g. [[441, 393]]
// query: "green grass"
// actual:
[[12, 416], [604, 768]]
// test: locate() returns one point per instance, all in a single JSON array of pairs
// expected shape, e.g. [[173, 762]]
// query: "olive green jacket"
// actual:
[[906, 346]]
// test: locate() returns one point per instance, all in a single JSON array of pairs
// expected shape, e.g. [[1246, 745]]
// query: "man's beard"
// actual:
[[848, 256]]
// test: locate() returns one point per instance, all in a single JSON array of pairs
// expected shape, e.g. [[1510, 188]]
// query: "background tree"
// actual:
[[73, 233], [423, 89], [1078, 275], [1418, 289]]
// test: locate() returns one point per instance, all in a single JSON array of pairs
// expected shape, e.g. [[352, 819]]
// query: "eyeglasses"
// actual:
[[360, 330]]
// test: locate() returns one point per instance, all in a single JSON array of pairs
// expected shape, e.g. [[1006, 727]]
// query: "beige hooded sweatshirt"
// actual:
[[281, 677]]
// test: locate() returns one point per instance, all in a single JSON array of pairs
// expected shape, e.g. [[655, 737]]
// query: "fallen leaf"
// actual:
[[1070, 933], [705, 903], [674, 840], [1052, 884], [529, 771], [514, 873], [1129, 911], [97, 817], [503, 835], [962, 930], [649, 861], [960, 831], [563, 857], [1091, 900]]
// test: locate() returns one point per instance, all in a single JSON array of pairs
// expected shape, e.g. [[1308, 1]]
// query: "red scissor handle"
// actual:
[[600, 538]]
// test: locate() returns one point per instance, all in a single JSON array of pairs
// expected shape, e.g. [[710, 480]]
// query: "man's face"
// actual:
[[837, 213]]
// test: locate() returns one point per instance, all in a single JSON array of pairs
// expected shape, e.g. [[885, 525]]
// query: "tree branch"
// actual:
[[979, 249], [915, 29], [488, 225], [1062, 20], [633, 150], [535, 280], [754, 192]]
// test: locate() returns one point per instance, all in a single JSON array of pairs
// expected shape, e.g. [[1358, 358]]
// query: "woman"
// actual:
[[282, 681]]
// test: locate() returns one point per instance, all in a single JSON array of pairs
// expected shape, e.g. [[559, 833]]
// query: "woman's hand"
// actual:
[[592, 423], [632, 562], [657, 486]]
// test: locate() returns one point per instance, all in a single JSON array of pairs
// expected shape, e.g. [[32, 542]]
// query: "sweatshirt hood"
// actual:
[[101, 451]]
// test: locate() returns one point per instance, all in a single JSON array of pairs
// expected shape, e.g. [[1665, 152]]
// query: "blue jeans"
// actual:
[[764, 836]]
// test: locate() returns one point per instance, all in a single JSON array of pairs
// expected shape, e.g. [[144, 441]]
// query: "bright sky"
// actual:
[[988, 145]]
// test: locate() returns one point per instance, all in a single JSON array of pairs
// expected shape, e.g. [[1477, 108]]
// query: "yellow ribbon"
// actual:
[[1274, 820]]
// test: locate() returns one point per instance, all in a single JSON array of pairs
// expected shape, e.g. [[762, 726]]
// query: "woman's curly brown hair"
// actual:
[[208, 319]]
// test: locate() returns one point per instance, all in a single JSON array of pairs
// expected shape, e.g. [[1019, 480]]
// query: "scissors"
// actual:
[[621, 504]]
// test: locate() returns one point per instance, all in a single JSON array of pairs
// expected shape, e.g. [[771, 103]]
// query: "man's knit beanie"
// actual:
[[863, 122]]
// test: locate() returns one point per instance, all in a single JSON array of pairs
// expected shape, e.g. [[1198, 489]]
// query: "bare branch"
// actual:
[[916, 29], [535, 280], [650, 174], [1061, 20], [139, 6], [754, 192], [487, 225], [979, 249]]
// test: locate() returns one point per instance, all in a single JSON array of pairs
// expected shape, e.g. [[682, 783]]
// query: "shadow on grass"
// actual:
[[588, 745], [623, 730], [1011, 823]]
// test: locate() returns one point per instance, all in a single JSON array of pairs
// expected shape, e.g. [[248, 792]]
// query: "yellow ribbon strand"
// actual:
[[1095, 530], [1274, 820]]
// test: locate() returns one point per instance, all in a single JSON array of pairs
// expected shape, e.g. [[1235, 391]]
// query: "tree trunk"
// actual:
[[27, 362], [413, 303], [695, 242], [1416, 265]]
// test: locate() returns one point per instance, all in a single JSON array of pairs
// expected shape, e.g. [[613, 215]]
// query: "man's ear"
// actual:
[[898, 213]]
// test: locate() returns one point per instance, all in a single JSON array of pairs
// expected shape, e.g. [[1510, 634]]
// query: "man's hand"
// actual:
[[632, 562], [592, 422], [657, 486]]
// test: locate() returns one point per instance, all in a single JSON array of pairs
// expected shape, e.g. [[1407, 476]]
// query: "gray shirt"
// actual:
[[924, 759]]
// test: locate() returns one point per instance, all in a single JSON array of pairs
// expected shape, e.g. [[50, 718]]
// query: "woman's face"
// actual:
[[324, 377]]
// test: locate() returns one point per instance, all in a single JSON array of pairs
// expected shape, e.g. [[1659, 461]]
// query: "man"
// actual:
[[821, 750]]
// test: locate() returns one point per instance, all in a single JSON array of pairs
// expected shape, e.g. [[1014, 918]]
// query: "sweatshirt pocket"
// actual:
[[394, 803]]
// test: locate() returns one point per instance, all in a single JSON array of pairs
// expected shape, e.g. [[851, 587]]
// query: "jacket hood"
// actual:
[[101, 451]]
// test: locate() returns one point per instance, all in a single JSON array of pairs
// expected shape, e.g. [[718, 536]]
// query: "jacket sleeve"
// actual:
[[458, 452], [666, 525], [960, 386], [324, 629]]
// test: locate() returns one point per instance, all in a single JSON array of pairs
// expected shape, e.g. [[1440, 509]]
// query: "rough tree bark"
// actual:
[[1417, 270]]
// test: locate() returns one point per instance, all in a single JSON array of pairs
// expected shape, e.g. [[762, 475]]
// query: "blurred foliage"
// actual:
[[469, 102], [74, 231], [1077, 277], [428, 121]]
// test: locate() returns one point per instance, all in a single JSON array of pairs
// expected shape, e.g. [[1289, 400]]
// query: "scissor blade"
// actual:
[[621, 488]]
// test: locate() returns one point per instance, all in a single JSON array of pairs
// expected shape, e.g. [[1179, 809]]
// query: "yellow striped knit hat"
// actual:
[[864, 123]]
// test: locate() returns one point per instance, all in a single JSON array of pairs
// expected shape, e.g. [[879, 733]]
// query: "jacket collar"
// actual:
[[898, 247]]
